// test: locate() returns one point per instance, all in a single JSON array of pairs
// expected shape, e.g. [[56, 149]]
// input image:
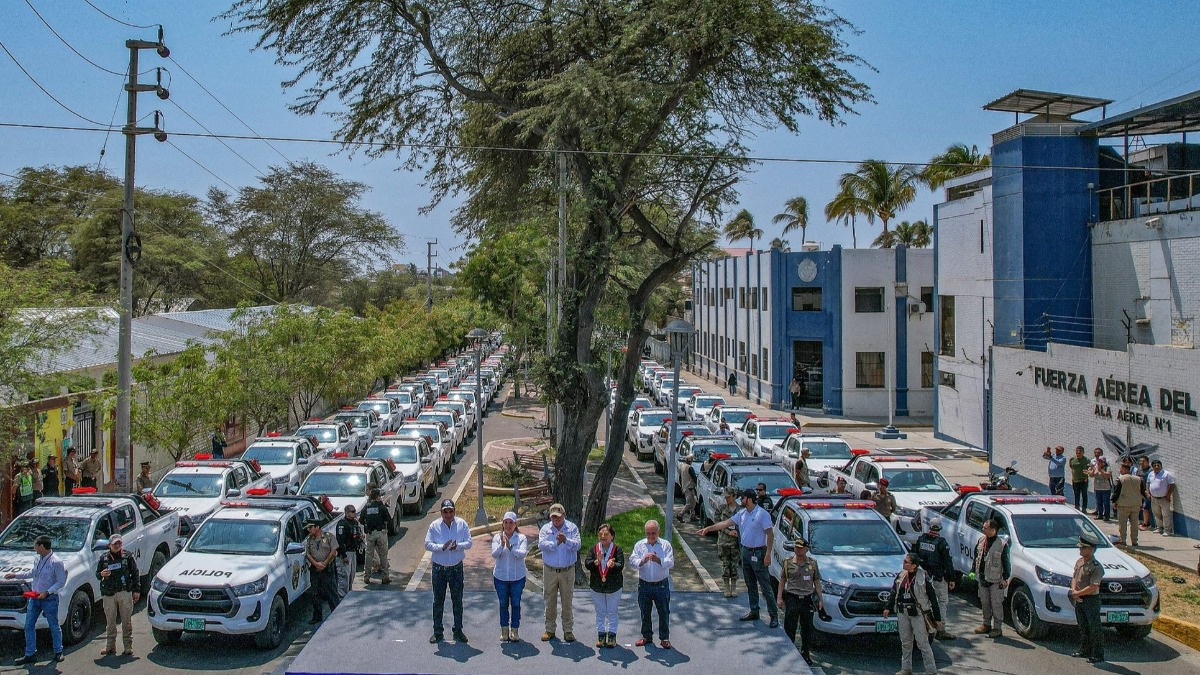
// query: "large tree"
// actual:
[[876, 189], [957, 160], [303, 231], [794, 217], [910, 235], [645, 105], [741, 226]]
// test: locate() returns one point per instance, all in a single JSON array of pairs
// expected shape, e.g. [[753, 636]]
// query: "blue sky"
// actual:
[[936, 62]]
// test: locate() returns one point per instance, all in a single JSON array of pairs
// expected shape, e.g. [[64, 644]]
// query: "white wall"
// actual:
[[1028, 415]]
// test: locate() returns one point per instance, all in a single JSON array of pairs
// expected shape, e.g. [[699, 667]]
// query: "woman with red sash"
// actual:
[[605, 564]]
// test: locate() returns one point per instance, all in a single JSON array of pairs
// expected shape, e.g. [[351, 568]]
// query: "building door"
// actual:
[[807, 363]]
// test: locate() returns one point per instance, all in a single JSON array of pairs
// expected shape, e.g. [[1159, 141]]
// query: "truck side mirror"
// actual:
[[293, 548]]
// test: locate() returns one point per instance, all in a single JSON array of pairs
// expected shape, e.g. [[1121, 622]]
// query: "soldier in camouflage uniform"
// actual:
[[728, 548]]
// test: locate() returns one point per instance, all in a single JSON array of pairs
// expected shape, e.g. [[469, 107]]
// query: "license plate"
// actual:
[[887, 626], [1118, 617], [193, 624]]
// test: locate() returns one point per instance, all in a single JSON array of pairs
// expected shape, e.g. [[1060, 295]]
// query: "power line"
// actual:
[[205, 168], [62, 105], [123, 23], [227, 109], [68, 44], [219, 140]]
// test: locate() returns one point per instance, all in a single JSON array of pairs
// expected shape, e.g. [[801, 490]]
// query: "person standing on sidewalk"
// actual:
[[1129, 492], [915, 606], [756, 534], [728, 550], [377, 520], [50, 477], [47, 579], [794, 389], [1085, 595], [1079, 465], [803, 480], [1161, 485], [120, 587], [320, 550], [559, 542], [448, 540], [509, 548], [71, 474], [1102, 483], [350, 545], [653, 558], [93, 473], [605, 564], [732, 383], [1056, 468], [799, 594], [933, 552], [1143, 470], [992, 571], [885, 501]]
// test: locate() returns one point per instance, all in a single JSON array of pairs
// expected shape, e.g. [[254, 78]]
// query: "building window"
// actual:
[[927, 370], [868, 370], [927, 297], [741, 355], [867, 300], [765, 361], [752, 296], [764, 298], [806, 299], [754, 365], [946, 328], [741, 298], [946, 379]]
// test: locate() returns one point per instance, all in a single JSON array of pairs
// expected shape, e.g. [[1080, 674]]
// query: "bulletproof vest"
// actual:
[[373, 516]]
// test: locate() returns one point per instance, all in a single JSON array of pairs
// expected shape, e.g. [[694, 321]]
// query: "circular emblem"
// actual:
[[195, 594], [1115, 587], [807, 270], [884, 595]]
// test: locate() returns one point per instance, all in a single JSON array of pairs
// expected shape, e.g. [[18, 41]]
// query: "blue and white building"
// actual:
[[1068, 287], [841, 318]]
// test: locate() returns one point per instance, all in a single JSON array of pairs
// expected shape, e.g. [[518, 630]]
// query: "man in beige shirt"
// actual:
[[92, 471]]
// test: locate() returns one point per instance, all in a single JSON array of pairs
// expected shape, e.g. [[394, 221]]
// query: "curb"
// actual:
[[1183, 631], [505, 413]]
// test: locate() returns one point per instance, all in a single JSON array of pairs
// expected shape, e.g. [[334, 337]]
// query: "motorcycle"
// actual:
[[1000, 481]]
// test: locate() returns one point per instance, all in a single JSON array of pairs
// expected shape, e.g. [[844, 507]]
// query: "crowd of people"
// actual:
[[1141, 502]]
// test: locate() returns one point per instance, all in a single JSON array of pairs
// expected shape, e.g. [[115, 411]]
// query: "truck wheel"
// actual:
[[156, 564], [1024, 615], [272, 634], [1134, 632], [79, 618], [412, 509], [431, 490], [658, 466], [166, 637], [393, 528]]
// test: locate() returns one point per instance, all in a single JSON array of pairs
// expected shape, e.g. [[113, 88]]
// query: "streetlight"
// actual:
[[890, 432], [679, 335], [478, 335]]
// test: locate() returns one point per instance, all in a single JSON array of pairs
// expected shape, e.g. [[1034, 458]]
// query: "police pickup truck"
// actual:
[[1043, 536], [239, 573], [195, 487], [857, 551], [286, 459], [758, 437], [743, 473], [413, 459], [440, 440], [640, 434], [914, 483], [345, 480], [825, 452], [365, 424], [80, 526], [662, 439], [331, 437]]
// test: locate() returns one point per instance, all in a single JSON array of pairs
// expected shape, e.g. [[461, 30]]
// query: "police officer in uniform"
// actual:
[[992, 570], [934, 552], [914, 607], [800, 579], [144, 480], [762, 498], [350, 544], [801, 469], [1085, 594], [376, 520], [320, 550], [728, 549]]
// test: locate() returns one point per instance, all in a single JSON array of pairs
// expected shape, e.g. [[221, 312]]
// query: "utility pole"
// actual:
[[131, 248], [562, 272], [429, 256]]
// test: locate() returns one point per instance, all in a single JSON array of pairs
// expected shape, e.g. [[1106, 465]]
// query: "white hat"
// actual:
[[509, 515], [935, 523]]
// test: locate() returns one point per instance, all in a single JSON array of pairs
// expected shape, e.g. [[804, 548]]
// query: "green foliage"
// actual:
[[176, 403], [794, 216], [957, 160], [910, 235], [875, 189], [742, 227]]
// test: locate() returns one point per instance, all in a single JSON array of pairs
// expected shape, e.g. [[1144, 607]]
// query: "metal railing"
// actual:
[[1169, 194]]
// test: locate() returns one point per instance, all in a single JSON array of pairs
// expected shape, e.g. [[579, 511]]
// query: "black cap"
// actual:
[[312, 522], [145, 464], [799, 542], [447, 504], [376, 493], [748, 494], [1084, 541]]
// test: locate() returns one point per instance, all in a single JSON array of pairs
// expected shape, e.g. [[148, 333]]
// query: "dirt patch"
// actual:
[[1179, 601]]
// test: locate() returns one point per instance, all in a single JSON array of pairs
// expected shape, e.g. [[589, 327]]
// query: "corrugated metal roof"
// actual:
[[101, 349], [1051, 103], [1176, 115]]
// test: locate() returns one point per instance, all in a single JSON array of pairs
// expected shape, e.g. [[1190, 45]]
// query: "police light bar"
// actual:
[[202, 455], [857, 452], [340, 455], [348, 407], [259, 491], [899, 458], [259, 504], [789, 492], [793, 430], [273, 434], [204, 462], [687, 432], [964, 489], [356, 461], [83, 491], [79, 500], [314, 419], [752, 417], [1031, 499], [388, 433], [847, 504]]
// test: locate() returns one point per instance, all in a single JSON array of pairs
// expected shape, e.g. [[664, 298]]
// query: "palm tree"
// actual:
[[909, 235], [957, 160], [742, 227], [781, 244], [879, 189], [844, 208], [795, 215]]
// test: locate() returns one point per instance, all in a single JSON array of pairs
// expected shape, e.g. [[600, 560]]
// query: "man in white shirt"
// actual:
[[559, 544], [653, 559], [757, 535], [1161, 485], [448, 539]]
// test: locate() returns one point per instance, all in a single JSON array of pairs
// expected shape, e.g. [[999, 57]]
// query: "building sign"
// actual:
[[1122, 401]]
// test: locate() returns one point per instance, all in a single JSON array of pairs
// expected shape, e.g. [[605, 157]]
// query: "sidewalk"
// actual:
[[1177, 550]]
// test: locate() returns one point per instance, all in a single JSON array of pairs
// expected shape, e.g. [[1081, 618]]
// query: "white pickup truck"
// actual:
[[1043, 536], [80, 526], [344, 481], [239, 573], [195, 487], [413, 459], [914, 483]]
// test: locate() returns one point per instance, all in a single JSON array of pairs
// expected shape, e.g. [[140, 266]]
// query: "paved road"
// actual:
[[211, 653], [1010, 654]]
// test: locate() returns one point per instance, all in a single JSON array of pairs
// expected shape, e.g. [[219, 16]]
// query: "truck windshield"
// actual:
[[381, 408], [68, 534], [1056, 530], [736, 416], [400, 454], [774, 480], [827, 449], [773, 431], [653, 419], [420, 432], [356, 421], [701, 453], [861, 537], [917, 480], [270, 456], [322, 435], [235, 537], [190, 485], [337, 484]]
